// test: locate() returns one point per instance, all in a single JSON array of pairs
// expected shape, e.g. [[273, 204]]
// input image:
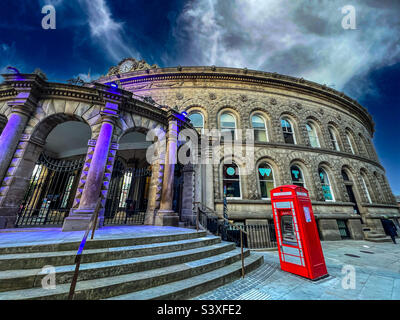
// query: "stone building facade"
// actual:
[[305, 133], [44, 184], [332, 132]]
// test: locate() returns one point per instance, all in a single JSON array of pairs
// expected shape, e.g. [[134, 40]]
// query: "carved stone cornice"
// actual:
[[156, 76], [95, 93]]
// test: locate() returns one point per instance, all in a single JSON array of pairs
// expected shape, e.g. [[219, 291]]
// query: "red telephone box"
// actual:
[[299, 246]]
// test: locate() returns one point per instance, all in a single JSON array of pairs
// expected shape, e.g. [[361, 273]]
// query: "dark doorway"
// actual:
[[178, 188], [127, 196], [349, 188], [352, 198], [51, 191]]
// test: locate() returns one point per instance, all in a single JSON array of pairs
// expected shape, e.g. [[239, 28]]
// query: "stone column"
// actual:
[[80, 218], [166, 216], [10, 136]]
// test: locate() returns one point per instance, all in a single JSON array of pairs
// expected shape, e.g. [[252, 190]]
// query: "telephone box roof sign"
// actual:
[[299, 246]]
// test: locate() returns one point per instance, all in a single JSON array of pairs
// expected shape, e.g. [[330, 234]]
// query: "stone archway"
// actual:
[[128, 193], [45, 170]]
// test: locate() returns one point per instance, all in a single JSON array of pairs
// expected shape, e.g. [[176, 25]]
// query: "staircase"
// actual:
[[374, 236], [173, 266]]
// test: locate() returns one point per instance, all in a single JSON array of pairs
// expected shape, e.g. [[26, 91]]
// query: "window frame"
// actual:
[[313, 128], [329, 184], [234, 135], [259, 180], [302, 176], [333, 138], [284, 118], [202, 117], [350, 142], [238, 179], [259, 129], [365, 185]]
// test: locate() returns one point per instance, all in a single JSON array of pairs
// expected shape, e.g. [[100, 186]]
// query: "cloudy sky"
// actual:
[[299, 38]]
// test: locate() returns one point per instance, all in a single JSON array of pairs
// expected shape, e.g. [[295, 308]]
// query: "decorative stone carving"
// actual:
[[212, 96], [296, 104], [179, 96], [243, 98], [128, 65]]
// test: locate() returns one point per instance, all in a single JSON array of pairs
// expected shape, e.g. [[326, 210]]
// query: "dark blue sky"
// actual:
[[299, 38]]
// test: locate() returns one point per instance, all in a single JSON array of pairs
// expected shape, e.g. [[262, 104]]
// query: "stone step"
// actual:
[[375, 235], [18, 261], [96, 243], [380, 239], [110, 286], [21, 279], [189, 288]]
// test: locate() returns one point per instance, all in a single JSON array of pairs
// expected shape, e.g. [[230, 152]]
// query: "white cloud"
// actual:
[[8, 58], [299, 38], [108, 33]]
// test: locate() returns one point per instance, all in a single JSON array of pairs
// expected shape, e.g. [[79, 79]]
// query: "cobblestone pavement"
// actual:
[[376, 276]]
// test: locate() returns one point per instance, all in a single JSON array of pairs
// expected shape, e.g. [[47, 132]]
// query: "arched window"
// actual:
[[326, 185], [297, 176], [197, 120], [365, 186], [351, 143], [231, 180], [228, 124], [378, 184], [363, 145], [345, 176], [312, 135], [288, 132], [260, 129], [266, 179], [333, 138]]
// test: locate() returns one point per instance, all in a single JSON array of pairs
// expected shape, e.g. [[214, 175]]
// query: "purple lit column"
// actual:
[[92, 188], [79, 219], [10, 136]]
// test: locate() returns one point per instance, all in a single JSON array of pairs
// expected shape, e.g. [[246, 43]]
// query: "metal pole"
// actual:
[[241, 249], [75, 277], [197, 219]]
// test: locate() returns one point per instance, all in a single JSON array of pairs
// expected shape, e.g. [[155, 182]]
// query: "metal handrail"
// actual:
[[78, 257], [230, 223]]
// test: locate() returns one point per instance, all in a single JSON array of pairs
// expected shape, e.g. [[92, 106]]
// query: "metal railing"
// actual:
[[78, 257], [210, 222], [258, 236]]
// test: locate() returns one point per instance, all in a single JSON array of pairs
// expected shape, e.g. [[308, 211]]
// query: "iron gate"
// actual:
[[51, 192], [127, 195]]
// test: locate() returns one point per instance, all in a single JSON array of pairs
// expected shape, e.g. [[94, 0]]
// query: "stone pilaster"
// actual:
[[17, 179], [165, 216], [156, 181], [80, 218]]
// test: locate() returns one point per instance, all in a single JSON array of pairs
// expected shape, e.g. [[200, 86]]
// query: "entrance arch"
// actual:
[[128, 194], [52, 172], [351, 189]]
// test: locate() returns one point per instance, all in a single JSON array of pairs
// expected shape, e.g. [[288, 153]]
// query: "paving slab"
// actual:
[[377, 276]]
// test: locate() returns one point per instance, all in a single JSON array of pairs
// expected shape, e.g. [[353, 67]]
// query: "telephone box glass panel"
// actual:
[[288, 232]]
